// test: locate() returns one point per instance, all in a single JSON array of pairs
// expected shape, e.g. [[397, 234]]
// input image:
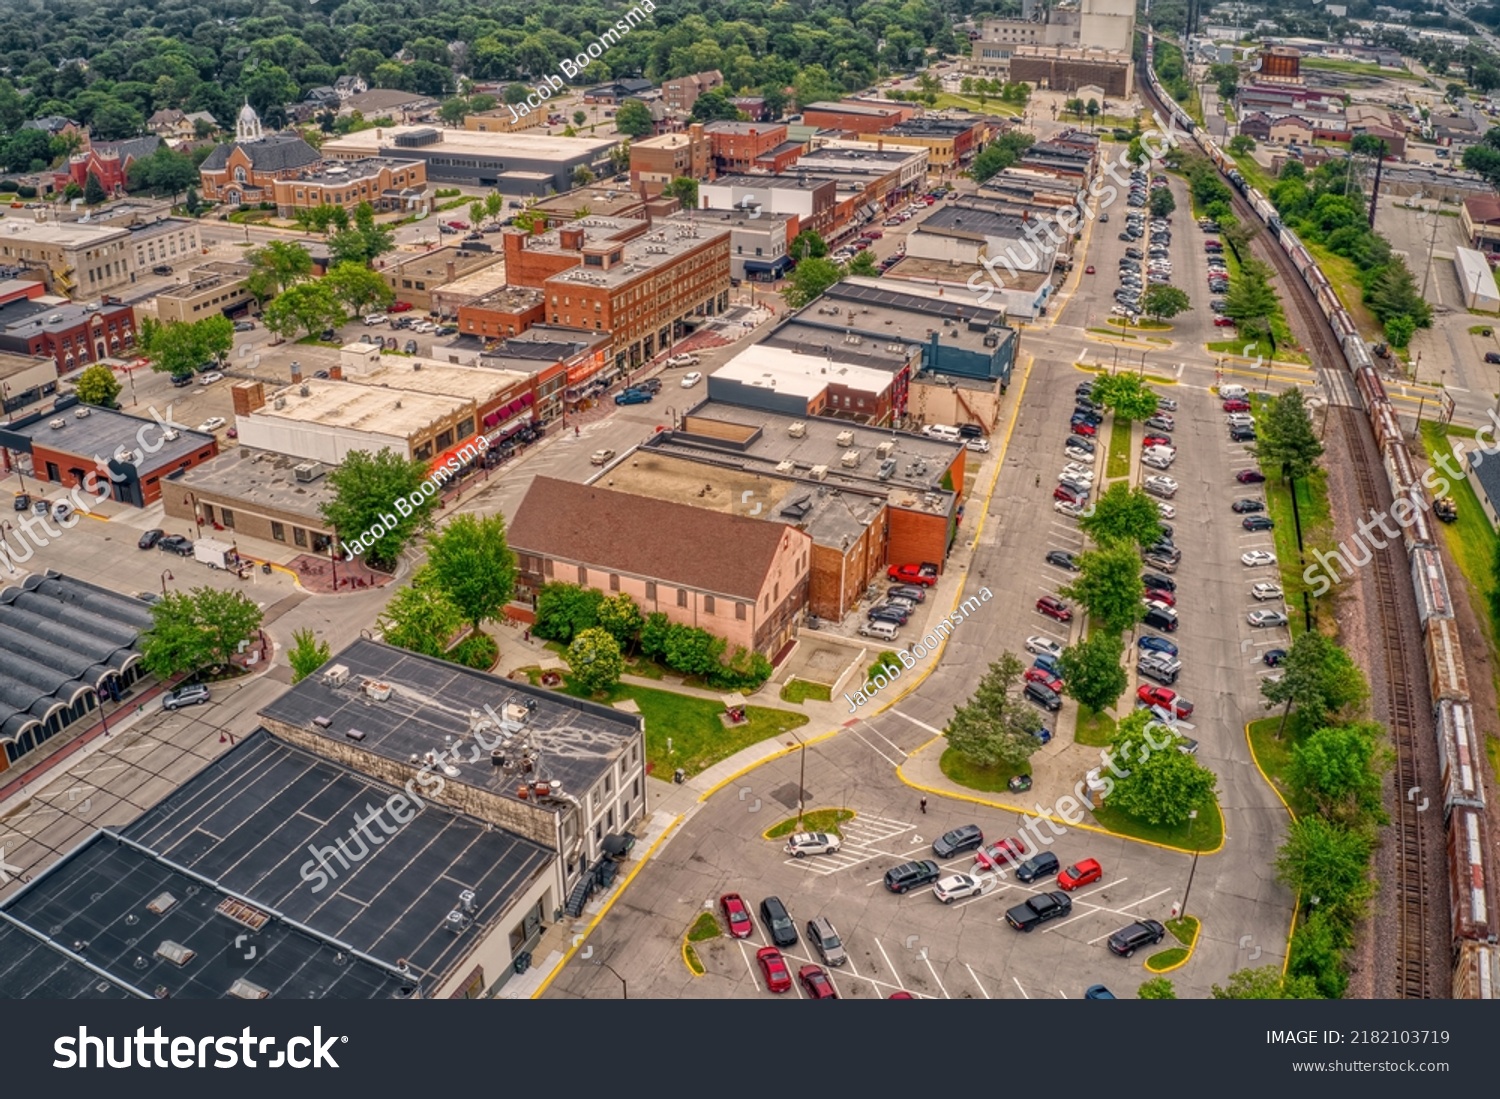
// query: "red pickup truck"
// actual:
[[925, 574]]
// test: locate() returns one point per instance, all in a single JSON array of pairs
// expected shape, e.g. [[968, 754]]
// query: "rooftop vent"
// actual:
[[885, 449], [376, 690], [247, 990], [887, 469], [845, 438], [242, 913], [786, 466], [850, 459], [819, 473], [81, 412], [336, 676], [171, 435], [161, 904], [57, 424], [796, 430], [175, 953]]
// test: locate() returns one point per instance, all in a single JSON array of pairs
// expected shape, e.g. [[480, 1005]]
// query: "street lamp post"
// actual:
[[165, 576], [1192, 816], [624, 987]]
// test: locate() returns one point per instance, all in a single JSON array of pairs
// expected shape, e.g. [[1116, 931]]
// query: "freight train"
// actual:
[[1475, 927]]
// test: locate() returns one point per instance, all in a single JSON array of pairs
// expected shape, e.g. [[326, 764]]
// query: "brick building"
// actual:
[[680, 94], [245, 170], [656, 161], [386, 184], [70, 334], [1067, 70], [737, 146], [107, 161], [414, 277], [858, 118]]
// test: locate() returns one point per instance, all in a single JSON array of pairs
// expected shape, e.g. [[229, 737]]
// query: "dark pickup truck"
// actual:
[[1039, 909]]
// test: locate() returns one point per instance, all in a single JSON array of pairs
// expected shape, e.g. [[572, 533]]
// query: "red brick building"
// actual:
[[858, 118], [107, 161], [70, 334], [682, 93], [735, 146]]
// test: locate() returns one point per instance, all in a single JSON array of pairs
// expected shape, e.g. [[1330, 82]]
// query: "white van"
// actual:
[[881, 631], [1233, 392], [942, 431]]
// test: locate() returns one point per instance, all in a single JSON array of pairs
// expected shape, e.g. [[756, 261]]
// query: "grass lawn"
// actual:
[[1358, 68], [1274, 756], [1492, 749], [1183, 929], [800, 690], [705, 927], [1113, 332], [699, 739], [814, 820], [1094, 729], [1119, 449], [1343, 276], [1203, 834], [989, 780], [694, 963], [1141, 325]]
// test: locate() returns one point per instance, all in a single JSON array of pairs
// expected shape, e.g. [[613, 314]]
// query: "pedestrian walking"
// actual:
[[1038, 480], [923, 804], [526, 636]]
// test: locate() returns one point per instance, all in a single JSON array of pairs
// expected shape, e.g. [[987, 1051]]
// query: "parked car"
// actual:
[[244, 326], [895, 613], [1249, 476], [1266, 590], [1159, 667], [176, 543], [632, 396], [1264, 618], [1273, 658], [1150, 643], [1242, 434], [825, 940], [691, 378], [773, 968], [1160, 583], [1256, 558], [1038, 644], [1257, 522], [1045, 697], [149, 539], [1241, 507], [955, 887], [1062, 559], [195, 694], [1003, 853], [816, 984], [601, 457], [1044, 677], [212, 424], [778, 921], [1038, 910], [1158, 485], [925, 574], [736, 916], [964, 838], [1081, 873], [910, 875], [913, 592], [1054, 607], [1164, 697], [1126, 941], [1098, 992], [1041, 865], [812, 843]]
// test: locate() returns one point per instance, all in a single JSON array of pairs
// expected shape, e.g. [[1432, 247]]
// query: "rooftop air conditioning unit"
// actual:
[[80, 413], [336, 676], [786, 466], [280, 403], [884, 449], [55, 318], [850, 458], [845, 438], [308, 471], [57, 424], [819, 473], [304, 391], [796, 430], [171, 435], [518, 711], [376, 690], [887, 469]]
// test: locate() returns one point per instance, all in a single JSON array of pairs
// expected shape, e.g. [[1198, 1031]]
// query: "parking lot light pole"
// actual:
[[166, 575], [624, 987], [1192, 816]]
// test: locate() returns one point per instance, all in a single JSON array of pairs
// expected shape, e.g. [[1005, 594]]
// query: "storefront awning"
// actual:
[[774, 267]]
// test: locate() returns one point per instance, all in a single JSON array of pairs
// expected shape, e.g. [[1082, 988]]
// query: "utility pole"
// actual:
[[1431, 244], [1375, 191]]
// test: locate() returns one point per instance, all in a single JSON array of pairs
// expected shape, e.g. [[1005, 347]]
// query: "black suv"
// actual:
[[956, 842], [1044, 696], [1158, 582], [1038, 866], [779, 920], [1127, 940], [912, 875], [970, 431], [1039, 909]]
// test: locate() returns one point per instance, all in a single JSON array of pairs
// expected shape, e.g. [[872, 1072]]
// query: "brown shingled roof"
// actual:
[[619, 531]]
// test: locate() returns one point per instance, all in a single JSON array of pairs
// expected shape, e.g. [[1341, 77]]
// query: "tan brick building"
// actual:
[[383, 182], [413, 278]]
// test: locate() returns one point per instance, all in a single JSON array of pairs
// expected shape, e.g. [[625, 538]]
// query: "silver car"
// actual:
[[825, 940], [812, 843]]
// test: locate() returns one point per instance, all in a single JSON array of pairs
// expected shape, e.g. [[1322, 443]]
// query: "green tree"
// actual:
[[420, 617], [1286, 437], [277, 265], [358, 288], [808, 244], [93, 191], [563, 611], [1091, 108], [1161, 202], [999, 154], [1265, 983], [472, 562], [196, 631], [582, 175], [179, 347], [594, 657], [1109, 587], [621, 618], [1338, 768], [633, 119], [476, 212], [653, 634], [1240, 144], [365, 490], [1325, 860], [863, 264], [1157, 988], [994, 728], [494, 204], [364, 241], [810, 278], [192, 203], [714, 106], [1162, 786], [1123, 515], [1092, 672], [1399, 330], [1164, 301], [97, 385], [27, 151], [307, 654], [453, 111], [579, 118], [307, 307], [1125, 395], [1251, 301], [693, 651], [1495, 588], [1226, 77], [685, 190], [1395, 294], [1075, 106], [1318, 678], [1317, 953]]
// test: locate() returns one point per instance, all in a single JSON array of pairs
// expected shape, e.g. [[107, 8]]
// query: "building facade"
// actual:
[[386, 184], [71, 335], [245, 171], [656, 161]]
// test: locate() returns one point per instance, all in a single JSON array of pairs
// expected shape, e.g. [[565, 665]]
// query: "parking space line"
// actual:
[[1107, 885], [877, 751], [938, 980], [920, 724], [754, 980], [1023, 991], [977, 982], [889, 967]]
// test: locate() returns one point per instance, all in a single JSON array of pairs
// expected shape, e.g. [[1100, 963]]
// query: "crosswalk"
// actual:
[[865, 838]]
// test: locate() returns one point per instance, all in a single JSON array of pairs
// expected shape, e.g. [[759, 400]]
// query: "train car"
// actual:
[[1413, 515], [1459, 756], [1388, 431], [1370, 387], [1357, 355], [1446, 674], [1476, 974], [1469, 889], [1430, 582], [1399, 470]]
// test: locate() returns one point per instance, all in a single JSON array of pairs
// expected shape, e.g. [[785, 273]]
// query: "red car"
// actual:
[[1084, 872], [874, 234], [1083, 428], [1089, 270], [1236, 405], [1212, 246], [1160, 596], [773, 967], [1223, 322], [458, 225], [1045, 678], [399, 307], [1164, 697], [1249, 476], [816, 983], [900, 996], [924, 574], [1156, 440], [737, 916], [996, 855], [1053, 607], [1063, 492]]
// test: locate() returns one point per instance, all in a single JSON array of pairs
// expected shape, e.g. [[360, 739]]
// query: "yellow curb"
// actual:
[[766, 835], [1197, 930], [686, 946], [745, 770], [578, 940], [1267, 778]]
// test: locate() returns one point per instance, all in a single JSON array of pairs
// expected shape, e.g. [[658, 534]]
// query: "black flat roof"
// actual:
[[32, 967], [247, 822], [434, 703]]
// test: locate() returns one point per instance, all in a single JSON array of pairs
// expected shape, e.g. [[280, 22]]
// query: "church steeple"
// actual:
[[247, 127]]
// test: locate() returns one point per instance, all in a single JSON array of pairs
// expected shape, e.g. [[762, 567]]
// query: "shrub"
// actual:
[[8, 186], [26, 190], [478, 651]]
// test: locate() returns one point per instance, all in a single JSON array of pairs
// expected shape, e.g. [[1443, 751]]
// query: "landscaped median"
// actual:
[[1185, 931], [704, 928], [815, 820]]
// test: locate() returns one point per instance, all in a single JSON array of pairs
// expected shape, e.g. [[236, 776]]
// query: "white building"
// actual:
[[1477, 280]]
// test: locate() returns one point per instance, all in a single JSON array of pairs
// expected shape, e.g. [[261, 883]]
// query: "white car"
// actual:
[[1078, 452], [1257, 557], [691, 378], [375, 318], [1266, 618], [1165, 510], [1043, 645], [1239, 419], [1067, 507], [1266, 590], [211, 377], [212, 424], [1160, 486], [812, 843], [1079, 471], [1157, 461], [979, 446], [683, 360], [956, 887]]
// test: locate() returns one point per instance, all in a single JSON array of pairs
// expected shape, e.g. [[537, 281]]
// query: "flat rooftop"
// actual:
[[432, 703], [383, 141], [246, 821], [854, 108], [115, 912], [617, 201], [67, 234], [160, 227], [668, 241], [914, 483], [932, 127], [506, 299], [208, 277], [787, 371], [892, 320], [484, 281], [351, 171], [396, 412], [104, 432], [740, 218], [12, 364], [261, 478], [786, 182], [969, 221], [930, 273], [858, 158], [443, 379], [742, 129]]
